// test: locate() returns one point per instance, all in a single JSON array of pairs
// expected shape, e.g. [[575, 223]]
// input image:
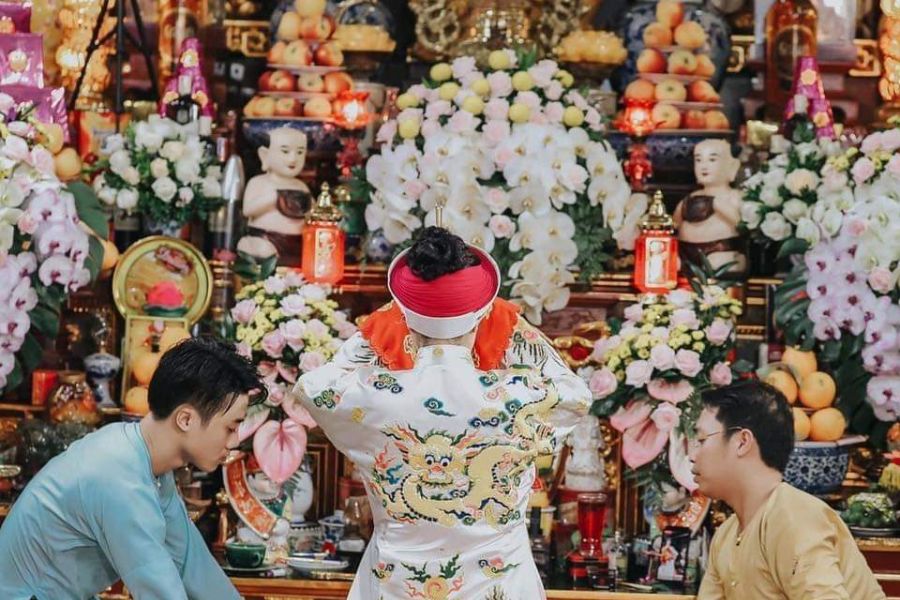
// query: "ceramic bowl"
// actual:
[[820, 467], [244, 555]]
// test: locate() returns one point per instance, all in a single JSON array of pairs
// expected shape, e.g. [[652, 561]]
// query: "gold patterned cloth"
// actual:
[[796, 547], [447, 454]]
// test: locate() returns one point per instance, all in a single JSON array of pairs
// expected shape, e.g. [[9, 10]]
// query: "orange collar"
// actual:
[[386, 332]]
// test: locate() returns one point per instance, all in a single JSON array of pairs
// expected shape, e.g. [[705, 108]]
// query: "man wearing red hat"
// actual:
[[444, 438]]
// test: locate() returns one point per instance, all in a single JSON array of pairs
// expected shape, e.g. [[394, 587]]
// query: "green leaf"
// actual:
[[14, 379], [95, 257], [45, 319], [830, 351], [31, 353], [89, 208], [792, 246]]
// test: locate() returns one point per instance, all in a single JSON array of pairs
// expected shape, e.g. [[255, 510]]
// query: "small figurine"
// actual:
[[190, 63], [585, 468], [707, 219], [276, 202]]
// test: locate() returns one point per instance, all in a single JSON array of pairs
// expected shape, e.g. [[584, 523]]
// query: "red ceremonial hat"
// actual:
[[450, 305]]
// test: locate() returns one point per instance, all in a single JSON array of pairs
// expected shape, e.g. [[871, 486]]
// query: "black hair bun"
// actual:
[[438, 252]]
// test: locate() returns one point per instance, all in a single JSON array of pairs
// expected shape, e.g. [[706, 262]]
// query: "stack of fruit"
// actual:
[[870, 511], [798, 378], [674, 70], [591, 46], [305, 73]]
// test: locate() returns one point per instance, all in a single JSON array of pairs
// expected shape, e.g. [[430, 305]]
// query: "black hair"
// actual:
[[203, 372], [438, 252], [763, 410]]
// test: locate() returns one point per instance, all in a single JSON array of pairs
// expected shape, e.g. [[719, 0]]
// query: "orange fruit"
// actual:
[[802, 424], [802, 362], [827, 425], [136, 401], [784, 383], [110, 255], [143, 365], [817, 390]]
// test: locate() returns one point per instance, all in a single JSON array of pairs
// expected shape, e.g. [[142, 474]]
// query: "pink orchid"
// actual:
[[670, 392], [279, 448]]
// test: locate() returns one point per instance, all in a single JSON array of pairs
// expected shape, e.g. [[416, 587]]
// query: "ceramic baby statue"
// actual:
[[276, 201], [585, 468], [707, 219]]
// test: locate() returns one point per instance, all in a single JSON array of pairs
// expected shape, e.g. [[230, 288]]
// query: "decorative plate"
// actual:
[[313, 564], [266, 566], [874, 532]]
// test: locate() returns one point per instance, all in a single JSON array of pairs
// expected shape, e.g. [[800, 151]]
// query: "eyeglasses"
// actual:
[[695, 443]]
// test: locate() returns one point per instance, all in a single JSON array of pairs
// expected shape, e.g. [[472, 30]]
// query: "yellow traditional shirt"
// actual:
[[796, 547]]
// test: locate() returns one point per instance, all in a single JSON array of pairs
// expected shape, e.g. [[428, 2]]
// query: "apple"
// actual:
[[277, 81], [51, 136], [670, 13], [250, 108], [67, 164], [264, 106], [682, 62], [705, 66], [316, 28], [672, 90], [716, 119], [657, 35], [297, 54], [309, 8], [318, 107], [702, 91], [310, 82], [329, 55], [288, 107], [640, 89], [651, 60], [694, 119], [276, 53], [690, 35], [289, 27], [665, 116], [337, 82]]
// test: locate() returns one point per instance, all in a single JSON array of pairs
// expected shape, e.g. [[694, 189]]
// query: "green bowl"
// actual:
[[245, 556]]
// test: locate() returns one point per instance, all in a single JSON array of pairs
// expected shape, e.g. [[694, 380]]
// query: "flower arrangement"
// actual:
[[652, 370], [46, 251], [161, 169], [516, 158], [843, 299], [797, 197], [288, 327]]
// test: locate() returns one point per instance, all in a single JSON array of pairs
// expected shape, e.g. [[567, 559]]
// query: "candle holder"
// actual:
[[587, 561]]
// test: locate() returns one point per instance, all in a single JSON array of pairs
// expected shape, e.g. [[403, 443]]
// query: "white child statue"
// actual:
[[585, 470], [707, 219]]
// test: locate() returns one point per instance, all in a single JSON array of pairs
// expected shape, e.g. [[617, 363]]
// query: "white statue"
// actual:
[[585, 469], [707, 219], [276, 201]]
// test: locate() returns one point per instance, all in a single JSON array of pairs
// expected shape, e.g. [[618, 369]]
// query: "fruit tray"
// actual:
[[300, 119], [589, 70], [315, 69], [364, 60], [670, 49], [297, 95], [693, 105], [660, 77]]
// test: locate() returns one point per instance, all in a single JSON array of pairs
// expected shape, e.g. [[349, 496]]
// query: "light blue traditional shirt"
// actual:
[[96, 514]]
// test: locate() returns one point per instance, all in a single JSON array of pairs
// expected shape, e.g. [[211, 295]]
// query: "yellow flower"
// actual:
[[276, 314], [698, 346], [697, 335], [613, 362], [624, 352], [643, 353], [620, 376]]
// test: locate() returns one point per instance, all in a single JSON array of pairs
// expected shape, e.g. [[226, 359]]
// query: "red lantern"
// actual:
[[637, 121], [656, 250], [323, 241]]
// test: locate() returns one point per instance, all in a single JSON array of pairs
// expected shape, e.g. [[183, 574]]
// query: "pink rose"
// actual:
[[274, 285], [292, 305], [893, 165], [592, 118], [462, 66], [273, 343], [603, 383], [430, 127], [720, 374], [293, 332], [718, 332], [890, 139], [862, 170], [310, 361], [542, 73], [438, 109], [638, 373], [881, 280], [387, 132], [634, 312], [501, 84], [529, 99], [554, 91], [604, 345], [554, 112], [345, 329], [666, 416], [686, 317], [670, 392], [244, 311], [688, 362], [316, 328], [496, 109], [495, 131], [243, 349], [462, 122], [662, 357], [502, 226], [502, 156]]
